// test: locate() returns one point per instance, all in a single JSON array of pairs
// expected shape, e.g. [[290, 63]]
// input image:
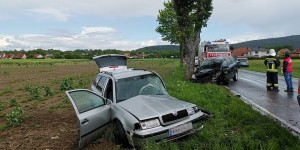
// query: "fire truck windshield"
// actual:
[[217, 48]]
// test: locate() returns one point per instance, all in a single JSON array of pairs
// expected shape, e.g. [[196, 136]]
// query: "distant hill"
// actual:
[[293, 41], [160, 48]]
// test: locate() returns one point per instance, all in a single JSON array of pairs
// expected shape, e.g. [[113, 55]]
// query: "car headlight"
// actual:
[[149, 124], [192, 110]]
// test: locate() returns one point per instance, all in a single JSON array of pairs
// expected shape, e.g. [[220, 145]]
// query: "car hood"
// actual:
[[151, 106], [205, 72]]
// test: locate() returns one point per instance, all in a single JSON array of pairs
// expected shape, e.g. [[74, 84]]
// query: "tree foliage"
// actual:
[[191, 16], [168, 27]]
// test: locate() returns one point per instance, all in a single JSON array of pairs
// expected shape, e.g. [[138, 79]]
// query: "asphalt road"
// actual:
[[280, 105]]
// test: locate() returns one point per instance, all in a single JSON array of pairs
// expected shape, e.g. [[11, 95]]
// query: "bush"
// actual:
[[48, 91], [15, 117], [66, 84], [13, 102], [35, 93], [2, 106]]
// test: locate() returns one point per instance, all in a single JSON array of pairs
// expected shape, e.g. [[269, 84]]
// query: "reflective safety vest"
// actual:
[[289, 66], [271, 67]]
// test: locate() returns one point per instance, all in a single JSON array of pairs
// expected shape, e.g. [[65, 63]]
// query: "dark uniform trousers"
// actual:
[[272, 73], [272, 80]]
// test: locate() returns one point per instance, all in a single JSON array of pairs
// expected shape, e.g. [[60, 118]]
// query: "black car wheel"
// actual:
[[120, 134], [235, 77]]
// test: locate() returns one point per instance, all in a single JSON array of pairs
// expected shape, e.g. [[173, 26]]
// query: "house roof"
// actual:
[[296, 51], [282, 51], [19, 56], [9, 56], [240, 51], [37, 55]]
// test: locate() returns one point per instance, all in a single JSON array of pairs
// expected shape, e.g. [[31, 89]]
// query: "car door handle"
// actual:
[[85, 121]]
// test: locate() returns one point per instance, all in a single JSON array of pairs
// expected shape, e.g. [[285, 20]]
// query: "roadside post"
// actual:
[[298, 97]]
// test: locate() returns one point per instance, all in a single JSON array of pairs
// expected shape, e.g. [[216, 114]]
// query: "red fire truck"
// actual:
[[216, 48]]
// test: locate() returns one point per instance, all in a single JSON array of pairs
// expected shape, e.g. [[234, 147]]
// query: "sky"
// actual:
[[131, 24]]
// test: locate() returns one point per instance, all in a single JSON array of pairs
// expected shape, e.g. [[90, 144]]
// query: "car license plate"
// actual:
[[180, 129]]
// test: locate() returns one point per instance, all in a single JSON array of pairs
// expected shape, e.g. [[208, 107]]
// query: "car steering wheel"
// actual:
[[147, 87]]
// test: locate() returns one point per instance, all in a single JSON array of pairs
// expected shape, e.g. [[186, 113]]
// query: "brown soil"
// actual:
[[49, 122]]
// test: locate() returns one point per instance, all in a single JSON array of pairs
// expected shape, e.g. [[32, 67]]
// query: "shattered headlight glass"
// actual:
[[149, 124], [192, 110]]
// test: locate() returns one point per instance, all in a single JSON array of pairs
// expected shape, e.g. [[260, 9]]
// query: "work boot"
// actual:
[[275, 90], [288, 91], [269, 88]]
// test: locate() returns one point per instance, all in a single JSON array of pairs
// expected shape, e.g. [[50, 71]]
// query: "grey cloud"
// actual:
[[262, 16], [62, 10]]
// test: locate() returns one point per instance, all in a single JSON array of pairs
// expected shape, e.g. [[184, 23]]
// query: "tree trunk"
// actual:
[[190, 45]]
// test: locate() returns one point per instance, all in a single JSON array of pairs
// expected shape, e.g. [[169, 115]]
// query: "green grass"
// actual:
[[235, 125], [258, 65]]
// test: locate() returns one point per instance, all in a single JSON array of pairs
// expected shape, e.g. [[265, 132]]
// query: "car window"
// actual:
[[85, 100], [109, 90], [101, 83], [150, 84], [96, 80], [231, 60], [210, 64], [225, 63]]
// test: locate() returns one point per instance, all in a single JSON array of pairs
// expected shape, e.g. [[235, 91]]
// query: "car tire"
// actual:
[[120, 135], [225, 82], [235, 77]]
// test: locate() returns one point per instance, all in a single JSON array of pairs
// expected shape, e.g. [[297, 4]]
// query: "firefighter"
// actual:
[[272, 63]]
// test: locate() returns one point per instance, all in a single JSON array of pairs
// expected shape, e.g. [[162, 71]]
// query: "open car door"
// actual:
[[111, 62], [93, 114]]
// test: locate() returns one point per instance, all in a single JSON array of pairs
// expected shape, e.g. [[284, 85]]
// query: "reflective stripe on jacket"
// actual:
[[271, 66], [289, 64]]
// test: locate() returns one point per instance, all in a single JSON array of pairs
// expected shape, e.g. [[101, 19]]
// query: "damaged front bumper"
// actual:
[[163, 133]]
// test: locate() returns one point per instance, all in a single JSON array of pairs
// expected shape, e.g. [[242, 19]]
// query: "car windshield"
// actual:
[[210, 63], [150, 84], [242, 60], [217, 48]]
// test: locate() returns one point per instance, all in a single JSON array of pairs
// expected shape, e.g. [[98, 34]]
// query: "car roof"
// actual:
[[121, 74]]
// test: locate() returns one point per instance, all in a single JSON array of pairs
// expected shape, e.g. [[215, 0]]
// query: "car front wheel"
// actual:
[[120, 134], [235, 77]]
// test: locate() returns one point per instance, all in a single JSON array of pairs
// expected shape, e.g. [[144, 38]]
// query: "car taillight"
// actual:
[[113, 66]]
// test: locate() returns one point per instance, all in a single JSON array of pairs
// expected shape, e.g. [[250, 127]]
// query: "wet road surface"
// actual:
[[280, 105]]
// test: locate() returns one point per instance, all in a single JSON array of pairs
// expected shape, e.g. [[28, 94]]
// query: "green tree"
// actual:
[[169, 28], [191, 16], [180, 22]]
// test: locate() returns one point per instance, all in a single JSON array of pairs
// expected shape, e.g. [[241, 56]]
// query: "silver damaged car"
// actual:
[[136, 102]]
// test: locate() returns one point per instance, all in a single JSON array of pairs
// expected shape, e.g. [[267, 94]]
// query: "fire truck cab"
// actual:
[[212, 49]]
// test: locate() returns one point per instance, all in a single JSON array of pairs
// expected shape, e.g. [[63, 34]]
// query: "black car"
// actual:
[[217, 70]]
